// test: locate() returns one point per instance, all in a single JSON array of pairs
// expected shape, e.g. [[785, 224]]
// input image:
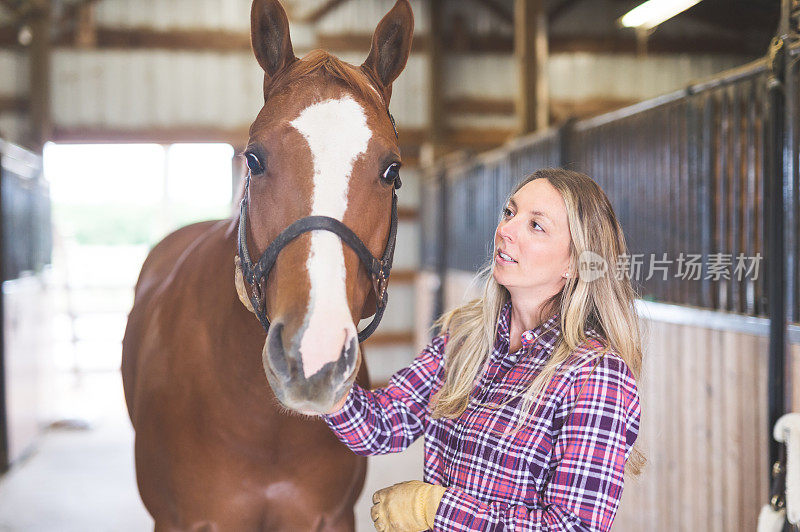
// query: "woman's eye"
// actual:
[[534, 225], [254, 163], [392, 174], [507, 212]]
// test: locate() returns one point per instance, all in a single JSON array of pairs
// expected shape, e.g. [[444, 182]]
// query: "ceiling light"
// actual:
[[653, 12]]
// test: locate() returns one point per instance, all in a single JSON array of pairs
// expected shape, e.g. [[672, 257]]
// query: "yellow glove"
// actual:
[[406, 507]]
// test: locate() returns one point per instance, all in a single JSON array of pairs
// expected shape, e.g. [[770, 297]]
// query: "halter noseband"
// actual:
[[378, 270]]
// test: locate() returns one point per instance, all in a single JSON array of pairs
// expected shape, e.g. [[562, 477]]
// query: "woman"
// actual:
[[528, 398]]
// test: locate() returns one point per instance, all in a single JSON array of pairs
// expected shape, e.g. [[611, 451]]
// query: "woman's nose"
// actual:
[[506, 230]]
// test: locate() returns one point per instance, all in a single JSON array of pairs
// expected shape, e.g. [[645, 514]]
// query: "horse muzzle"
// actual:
[[318, 392]]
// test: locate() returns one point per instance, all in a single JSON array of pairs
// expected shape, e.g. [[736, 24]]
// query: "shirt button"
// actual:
[[512, 358], [527, 338]]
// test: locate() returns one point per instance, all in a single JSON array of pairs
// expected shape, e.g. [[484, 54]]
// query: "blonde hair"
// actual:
[[606, 305]]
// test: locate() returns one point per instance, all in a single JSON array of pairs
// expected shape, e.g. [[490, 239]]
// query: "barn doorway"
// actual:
[[111, 204]]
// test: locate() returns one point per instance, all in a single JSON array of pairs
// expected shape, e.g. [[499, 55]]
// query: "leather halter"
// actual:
[[378, 270]]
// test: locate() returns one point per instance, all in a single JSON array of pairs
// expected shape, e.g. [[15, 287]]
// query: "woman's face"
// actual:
[[532, 241]]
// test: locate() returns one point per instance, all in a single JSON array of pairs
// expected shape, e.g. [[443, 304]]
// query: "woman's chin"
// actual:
[[499, 277]]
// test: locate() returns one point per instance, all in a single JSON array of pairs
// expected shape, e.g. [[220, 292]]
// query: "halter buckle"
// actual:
[[381, 283], [257, 294]]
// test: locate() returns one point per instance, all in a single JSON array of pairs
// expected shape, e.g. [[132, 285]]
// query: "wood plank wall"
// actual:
[[704, 423], [704, 431], [794, 381]]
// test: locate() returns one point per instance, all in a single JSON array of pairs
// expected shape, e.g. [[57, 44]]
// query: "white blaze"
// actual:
[[337, 133]]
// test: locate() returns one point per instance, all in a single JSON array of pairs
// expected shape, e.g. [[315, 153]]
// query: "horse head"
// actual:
[[323, 145]]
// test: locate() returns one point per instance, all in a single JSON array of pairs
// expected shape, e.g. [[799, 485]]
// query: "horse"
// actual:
[[217, 445]]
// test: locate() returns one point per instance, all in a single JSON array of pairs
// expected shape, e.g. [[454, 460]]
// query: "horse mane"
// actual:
[[320, 61]]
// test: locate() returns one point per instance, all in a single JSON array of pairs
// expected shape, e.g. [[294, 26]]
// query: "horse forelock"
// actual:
[[322, 62]]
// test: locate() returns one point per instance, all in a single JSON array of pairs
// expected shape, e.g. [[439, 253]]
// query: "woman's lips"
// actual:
[[503, 258]]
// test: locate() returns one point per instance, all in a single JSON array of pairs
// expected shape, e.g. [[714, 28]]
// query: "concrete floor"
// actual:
[[83, 480]]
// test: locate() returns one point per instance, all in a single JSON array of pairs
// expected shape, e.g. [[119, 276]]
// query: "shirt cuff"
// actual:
[[455, 511]]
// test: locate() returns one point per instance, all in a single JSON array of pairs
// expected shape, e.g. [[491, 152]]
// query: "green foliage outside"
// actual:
[[127, 224]]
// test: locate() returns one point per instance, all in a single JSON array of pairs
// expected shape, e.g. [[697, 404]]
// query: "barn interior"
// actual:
[[122, 120]]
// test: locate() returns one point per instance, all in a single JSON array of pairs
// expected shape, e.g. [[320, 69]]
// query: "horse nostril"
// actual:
[[276, 352]]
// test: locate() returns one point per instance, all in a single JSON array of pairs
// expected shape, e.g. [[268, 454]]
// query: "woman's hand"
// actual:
[[338, 406], [406, 507]]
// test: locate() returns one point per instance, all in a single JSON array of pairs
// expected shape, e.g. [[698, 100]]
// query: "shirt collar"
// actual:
[[546, 332]]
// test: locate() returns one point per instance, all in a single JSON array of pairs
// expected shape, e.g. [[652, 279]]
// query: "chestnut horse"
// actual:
[[219, 446]]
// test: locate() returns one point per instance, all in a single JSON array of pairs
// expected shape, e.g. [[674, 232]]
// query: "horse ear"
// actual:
[[269, 35], [391, 44]]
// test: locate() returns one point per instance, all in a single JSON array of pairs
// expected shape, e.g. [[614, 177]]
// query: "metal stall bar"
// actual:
[[4, 461], [792, 183], [774, 238]]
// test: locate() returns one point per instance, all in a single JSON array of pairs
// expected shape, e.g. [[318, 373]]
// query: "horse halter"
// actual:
[[378, 270]]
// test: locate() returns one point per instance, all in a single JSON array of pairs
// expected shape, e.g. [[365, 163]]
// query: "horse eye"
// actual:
[[254, 163], [392, 174]]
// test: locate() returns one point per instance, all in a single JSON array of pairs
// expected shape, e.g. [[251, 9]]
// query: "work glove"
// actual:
[[406, 507]]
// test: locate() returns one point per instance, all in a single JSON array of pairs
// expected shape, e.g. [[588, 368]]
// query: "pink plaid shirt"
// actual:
[[562, 471]]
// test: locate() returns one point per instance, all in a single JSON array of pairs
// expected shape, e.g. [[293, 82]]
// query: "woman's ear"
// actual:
[[269, 35], [391, 45], [569, 271]]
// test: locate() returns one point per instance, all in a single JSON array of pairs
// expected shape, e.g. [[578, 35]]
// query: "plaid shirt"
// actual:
[[562, 471]]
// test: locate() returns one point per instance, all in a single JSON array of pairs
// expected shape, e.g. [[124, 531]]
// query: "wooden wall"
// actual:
[[794, 379], [27, 341], [704, 431], [704, 416]]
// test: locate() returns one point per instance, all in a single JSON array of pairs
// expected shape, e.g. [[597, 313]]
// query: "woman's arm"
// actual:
[[585, 486], [389, 419]]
